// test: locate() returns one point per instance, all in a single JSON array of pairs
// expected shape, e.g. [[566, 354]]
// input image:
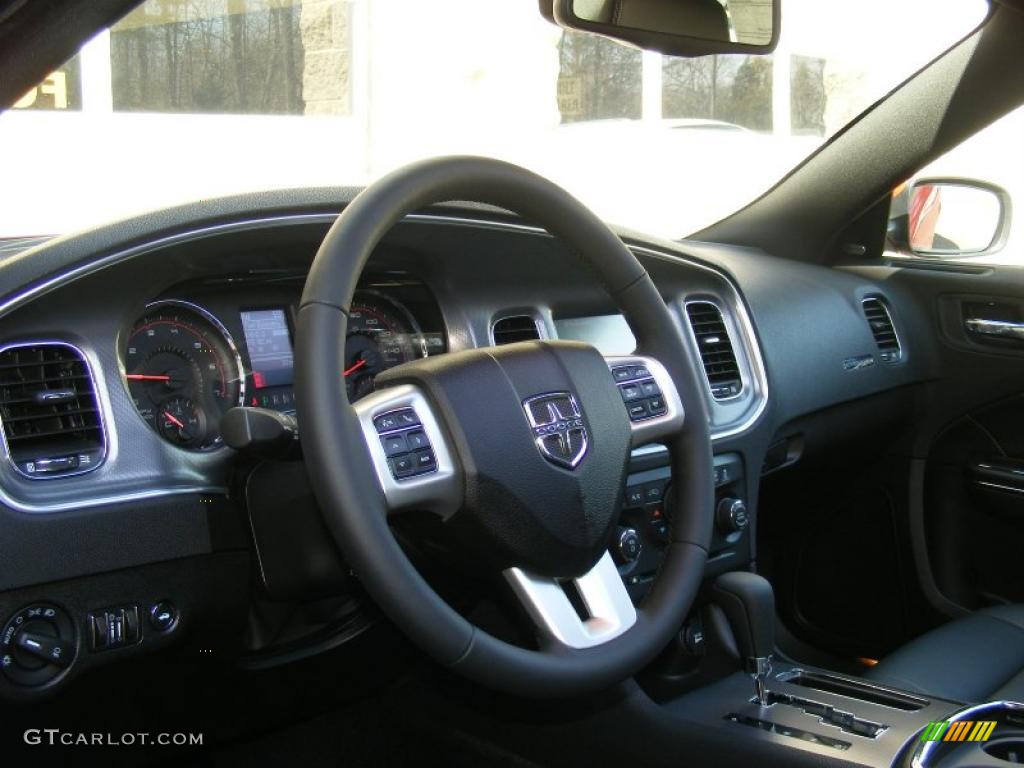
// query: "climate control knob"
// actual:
[[628, 546], [731, 515]]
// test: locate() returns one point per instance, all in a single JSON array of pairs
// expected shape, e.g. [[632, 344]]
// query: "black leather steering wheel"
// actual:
[[528, 449]]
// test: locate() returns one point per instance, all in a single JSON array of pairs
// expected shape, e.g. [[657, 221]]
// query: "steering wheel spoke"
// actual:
[[603, 609], [415, 466], [652, 400]]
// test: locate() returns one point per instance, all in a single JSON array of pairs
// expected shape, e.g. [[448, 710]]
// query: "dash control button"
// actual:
[[163, 616]]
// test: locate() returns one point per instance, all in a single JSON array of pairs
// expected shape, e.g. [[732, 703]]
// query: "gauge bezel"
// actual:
[[420, 345], [226, 337]]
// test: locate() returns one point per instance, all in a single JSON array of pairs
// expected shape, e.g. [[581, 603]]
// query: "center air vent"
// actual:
[[509, 330], [49, 413], [716, 351], [882, 328]]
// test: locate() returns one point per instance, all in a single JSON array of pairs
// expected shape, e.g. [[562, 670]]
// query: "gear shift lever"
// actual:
[[749, 603]]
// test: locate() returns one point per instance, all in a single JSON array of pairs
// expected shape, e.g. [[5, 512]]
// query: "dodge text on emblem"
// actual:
[[558, 428]]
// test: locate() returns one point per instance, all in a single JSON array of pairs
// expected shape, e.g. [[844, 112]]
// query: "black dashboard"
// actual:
[[150, 330]]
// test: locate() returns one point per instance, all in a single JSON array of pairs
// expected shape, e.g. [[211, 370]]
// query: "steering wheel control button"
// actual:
[[163, 616], [425, 461], [37, 645], [403, 466], [386, 423], [630, 392], [417, 440], [405, 444], [623, 373], [637, 412], [396, 420], [394, 445], [640, 392]]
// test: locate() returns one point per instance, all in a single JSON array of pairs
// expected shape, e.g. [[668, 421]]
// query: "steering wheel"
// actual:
[[521, 449]]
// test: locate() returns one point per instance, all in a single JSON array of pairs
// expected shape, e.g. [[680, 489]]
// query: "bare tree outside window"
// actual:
[[598, 79], [231, 56], [735, 89], [807, 95]]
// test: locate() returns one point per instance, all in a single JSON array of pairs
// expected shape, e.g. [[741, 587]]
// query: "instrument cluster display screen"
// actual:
[[270, 347]]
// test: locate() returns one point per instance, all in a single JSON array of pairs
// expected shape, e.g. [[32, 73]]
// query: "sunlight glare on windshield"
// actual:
[[185, 101]]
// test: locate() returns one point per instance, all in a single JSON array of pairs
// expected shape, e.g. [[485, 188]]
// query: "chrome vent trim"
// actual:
[[883, 329], [717, 351], [51, 419], [513, 328]]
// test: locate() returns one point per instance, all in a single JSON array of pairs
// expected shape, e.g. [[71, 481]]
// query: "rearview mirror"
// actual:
[[956, 218], [676, 27]]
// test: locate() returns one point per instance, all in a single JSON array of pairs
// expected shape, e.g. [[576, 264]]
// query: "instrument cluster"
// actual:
[[185, 366]]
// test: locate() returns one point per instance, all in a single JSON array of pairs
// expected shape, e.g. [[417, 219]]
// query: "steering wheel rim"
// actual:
[[349, 489]]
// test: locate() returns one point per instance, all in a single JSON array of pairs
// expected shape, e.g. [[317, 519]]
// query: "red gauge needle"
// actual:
[[146, 377], [354, 368], [176, 422]]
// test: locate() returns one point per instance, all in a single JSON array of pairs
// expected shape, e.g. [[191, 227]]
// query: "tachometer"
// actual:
[[183, 372], [381, 335]]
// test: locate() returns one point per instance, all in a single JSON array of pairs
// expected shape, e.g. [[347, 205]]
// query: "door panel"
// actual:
[[966, 516]]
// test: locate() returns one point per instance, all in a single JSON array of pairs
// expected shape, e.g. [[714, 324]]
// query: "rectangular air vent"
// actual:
[[716, 350], [883, 330], [509, 330], [49, 413]]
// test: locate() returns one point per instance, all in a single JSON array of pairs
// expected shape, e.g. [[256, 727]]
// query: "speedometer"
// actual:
[[381, 334], [183, 372]]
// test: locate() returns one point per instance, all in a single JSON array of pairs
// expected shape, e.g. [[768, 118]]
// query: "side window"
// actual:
[[961, 207]]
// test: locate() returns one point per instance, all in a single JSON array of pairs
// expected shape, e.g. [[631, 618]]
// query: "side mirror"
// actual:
[[675, 27], [951, 217]]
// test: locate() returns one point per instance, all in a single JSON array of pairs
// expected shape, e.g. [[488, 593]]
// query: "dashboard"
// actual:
[[121, 349]]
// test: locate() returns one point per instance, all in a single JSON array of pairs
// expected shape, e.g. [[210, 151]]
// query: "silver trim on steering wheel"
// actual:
[[440, 489], [655, 428], [601, 592]]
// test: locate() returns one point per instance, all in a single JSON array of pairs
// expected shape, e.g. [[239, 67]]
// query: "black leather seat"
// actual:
[[979, 657]]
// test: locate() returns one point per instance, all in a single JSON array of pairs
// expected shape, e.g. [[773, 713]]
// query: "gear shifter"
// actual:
[[749, 603]]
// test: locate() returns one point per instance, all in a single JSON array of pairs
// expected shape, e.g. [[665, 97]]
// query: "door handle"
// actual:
[[1000, 328]]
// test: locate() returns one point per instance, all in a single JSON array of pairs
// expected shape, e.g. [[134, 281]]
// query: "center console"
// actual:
[[832, 715], [835, 716]]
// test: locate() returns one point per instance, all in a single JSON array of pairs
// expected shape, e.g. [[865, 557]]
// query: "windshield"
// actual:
[[184, 100]]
